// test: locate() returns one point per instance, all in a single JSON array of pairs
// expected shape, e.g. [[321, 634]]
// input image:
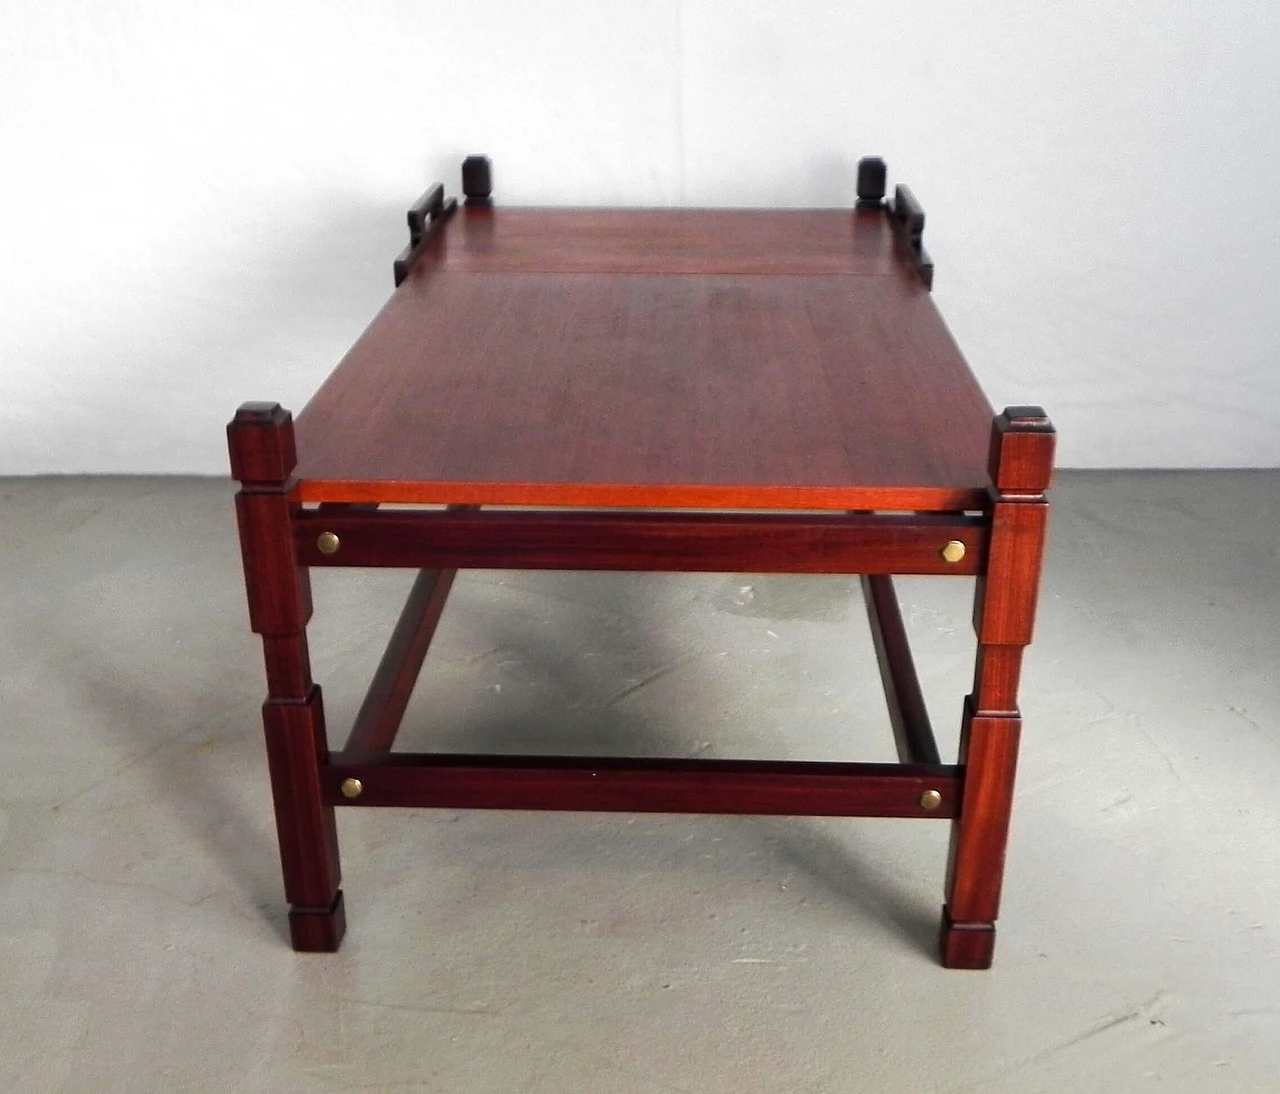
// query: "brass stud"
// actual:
[[929, 800], [952, 552], [352, 788], [327, 543]]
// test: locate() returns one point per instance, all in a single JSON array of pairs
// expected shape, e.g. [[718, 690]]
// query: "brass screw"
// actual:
[[327, 543], [952, 552], [929, 800], [352, 788]]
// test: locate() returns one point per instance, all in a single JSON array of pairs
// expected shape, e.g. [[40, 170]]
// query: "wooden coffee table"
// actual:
[[678, 390]]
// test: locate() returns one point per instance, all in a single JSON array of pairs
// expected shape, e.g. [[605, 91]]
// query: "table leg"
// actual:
[[1004, 614], [279, 591]]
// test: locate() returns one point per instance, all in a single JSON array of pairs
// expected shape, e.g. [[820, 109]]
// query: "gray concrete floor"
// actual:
[[142, 934]]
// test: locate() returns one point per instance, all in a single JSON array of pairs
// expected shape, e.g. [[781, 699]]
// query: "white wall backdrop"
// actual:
[[199, 202]]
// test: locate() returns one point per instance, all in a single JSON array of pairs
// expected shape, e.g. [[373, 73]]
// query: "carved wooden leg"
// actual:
[[1004, 614], [279, 591]]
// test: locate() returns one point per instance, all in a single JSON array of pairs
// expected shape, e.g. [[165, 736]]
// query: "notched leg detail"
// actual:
[[318, 930], [966, 945], [1021, 464], [263, 456]]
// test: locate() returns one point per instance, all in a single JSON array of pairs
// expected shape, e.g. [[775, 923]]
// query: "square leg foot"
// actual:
[[967, 945], [316, 930]]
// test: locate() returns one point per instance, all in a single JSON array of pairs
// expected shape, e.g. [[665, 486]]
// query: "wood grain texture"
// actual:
[[1004, 614], [989, 756], [260, 443], [614, 391], [667, 241], [615, 784], [296, 750], [1022, 446], [262, 449], [288, 664], [997, 671], [278, 591], [650, 359], [689, 542], [1005, 604]]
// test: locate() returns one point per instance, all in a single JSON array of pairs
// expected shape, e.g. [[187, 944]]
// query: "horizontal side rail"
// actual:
[[692, 542], [761, 787], [423, 211], [908, 214], [385, 702], [425, 217], [912, 732]]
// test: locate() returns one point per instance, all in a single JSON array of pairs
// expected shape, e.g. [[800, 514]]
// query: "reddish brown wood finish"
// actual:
[[262, 452], [1021, 456], [768, 543], [499, 375], [989, 757], [908, 715], [296, 750], [384, 705], [627, 785], [967, 945], [773, 243], [708, 360], [1004, 615]]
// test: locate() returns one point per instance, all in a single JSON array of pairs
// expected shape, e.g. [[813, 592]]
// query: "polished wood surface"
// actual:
[[261, 442], [912, 732], [809, 369], [640, 361], [642, 785], [667, 241], [1022, 446], [689, 542]]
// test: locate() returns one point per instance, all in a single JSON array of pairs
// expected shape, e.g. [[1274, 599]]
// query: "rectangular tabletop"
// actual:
[[666, 359]]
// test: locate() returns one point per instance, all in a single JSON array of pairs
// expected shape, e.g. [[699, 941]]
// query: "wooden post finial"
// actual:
[[1022, 444], [871, 181], [260, 439], [477, 180]]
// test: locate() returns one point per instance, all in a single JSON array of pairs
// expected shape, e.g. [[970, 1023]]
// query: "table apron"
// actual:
[[869, 543], [643, 785]]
